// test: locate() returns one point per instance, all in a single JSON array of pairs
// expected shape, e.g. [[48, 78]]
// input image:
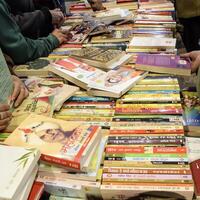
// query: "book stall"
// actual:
[[106, 116]]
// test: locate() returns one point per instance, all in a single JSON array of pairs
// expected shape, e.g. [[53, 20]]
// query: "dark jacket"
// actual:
[[33, 19], [18, 47]]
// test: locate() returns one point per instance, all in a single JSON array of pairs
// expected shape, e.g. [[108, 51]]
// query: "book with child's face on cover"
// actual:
[[63, 143], [6, 82]]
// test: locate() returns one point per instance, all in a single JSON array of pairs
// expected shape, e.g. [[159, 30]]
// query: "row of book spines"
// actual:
[[152, 149]]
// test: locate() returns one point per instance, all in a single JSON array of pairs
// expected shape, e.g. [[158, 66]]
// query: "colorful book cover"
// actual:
[[17, 164], [117, 81], [36, 191], [162, 63], [76, 71], [63, 143], [191, 105], [33, 104]]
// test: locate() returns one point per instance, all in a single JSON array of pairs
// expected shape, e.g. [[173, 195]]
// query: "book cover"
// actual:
[[16, 167], [116, 81], [67, 144], [38, 67], [33, 104], [36, 191], [99, 57], [191, 106], [149, 42], [164, 64], [46, 88], [6, 82], [75, 71]]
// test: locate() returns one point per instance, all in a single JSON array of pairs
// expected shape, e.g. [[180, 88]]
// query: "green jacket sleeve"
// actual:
[[14, 44]]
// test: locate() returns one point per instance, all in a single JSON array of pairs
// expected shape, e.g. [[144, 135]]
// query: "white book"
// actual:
[[16, 167], [115, 82], [142, 42], [27, 188]]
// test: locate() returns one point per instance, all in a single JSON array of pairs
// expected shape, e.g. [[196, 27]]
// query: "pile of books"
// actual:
[[88, 109], [146, 146], [19, 167]]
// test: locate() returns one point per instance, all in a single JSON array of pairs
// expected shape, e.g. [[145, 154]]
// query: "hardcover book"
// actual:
[[17, 164], [66, 144], [170, 64]]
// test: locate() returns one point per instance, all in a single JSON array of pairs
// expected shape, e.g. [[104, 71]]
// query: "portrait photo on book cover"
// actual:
[[50, 136]]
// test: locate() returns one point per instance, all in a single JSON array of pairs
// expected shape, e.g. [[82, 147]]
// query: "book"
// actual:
[[115, 83], [6, 82], [101, 58], [43, 88], [36, 191], [115, 36], [195, 165], [151, 42], [170, 64], [27, 188], [191, 107], [80, 32], [33, 104], [17, 164], [38, 67], [137, 190], [76, 71], [67, 144]]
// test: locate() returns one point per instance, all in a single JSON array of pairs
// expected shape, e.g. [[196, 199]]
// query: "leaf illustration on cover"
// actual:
[[24, 158]]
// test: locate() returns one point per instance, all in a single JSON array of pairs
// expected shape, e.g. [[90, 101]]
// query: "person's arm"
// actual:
[[19, 48]]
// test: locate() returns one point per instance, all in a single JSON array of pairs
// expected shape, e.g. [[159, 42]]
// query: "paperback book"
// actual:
[[67, 144]]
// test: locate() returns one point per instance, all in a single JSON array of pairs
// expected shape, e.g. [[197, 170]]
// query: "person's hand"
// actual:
[[62, 37], [57, 17], [96, 5], [5, 116], [195, 58], [20, 92]]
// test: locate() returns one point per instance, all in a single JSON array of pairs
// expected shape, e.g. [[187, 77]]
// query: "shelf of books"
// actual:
[[106, 117]]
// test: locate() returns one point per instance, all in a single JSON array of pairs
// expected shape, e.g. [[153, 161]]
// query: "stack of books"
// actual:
[[88, 109], [146, 144], [18, 171]]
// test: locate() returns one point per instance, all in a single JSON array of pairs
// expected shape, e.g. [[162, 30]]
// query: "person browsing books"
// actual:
[[20, 92], [22, 49], [34, 19], [195, 58]]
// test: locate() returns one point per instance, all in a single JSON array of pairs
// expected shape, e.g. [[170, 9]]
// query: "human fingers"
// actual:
[[20, 97], [5, 114], [4, 107]]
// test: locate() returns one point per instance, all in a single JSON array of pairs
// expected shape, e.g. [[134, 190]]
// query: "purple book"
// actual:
[[164, 64]]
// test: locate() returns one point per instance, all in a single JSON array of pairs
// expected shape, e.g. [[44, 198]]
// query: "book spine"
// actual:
[[146, 131], [143, 177], [127, 170], [146, 142], [153, 150], [62, 162], [157, 164]]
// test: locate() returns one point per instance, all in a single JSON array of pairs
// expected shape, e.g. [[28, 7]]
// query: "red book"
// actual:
[[36, 191], [195, 168]]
